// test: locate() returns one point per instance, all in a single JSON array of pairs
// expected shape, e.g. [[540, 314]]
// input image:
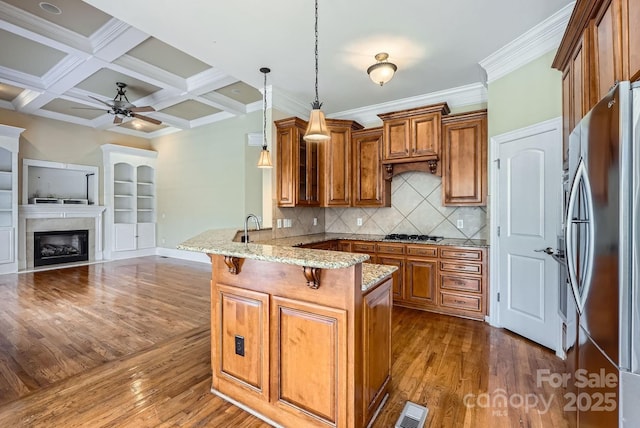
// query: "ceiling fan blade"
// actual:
[[100, 101], [117, 119], [142, 109], [148, 119]]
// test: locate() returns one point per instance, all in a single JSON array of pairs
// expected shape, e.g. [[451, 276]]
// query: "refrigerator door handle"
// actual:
[[580, 186]]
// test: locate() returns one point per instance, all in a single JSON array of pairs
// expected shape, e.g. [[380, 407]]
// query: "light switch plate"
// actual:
[[359, 221], [460, 224]]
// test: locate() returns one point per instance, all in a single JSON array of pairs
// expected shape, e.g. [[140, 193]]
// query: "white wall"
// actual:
[[205, 176]]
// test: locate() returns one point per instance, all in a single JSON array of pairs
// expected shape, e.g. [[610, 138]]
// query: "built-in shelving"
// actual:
[[9, 144], [130, 192]]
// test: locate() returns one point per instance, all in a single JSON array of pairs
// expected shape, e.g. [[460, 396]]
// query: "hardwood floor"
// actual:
[[127, 343]]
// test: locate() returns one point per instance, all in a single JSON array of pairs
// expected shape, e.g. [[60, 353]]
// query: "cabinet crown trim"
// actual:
[[443, 108]]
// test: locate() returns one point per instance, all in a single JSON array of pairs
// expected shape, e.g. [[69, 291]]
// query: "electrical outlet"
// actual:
[[460, 224], [315, 221], [279, 223], [359, 221], [239, 345]]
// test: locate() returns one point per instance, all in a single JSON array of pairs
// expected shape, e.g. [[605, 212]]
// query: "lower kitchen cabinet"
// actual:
[[365, 248], [422, 279], [398, 276]]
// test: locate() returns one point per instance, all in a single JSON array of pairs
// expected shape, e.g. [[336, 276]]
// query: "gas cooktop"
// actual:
[[406, 237]]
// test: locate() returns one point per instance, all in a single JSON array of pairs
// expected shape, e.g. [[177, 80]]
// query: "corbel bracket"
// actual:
[[233, 263], [312, 276]]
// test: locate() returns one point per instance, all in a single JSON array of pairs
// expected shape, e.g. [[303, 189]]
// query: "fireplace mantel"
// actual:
[[57, 213]]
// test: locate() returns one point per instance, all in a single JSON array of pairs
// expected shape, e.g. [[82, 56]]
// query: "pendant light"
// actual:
[[265, 156], [317, 127], [382, 71]]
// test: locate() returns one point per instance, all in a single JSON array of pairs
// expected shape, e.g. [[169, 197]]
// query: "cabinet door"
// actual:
[[6, 245], [146, 235], [579, 81], [396, 139], [337, 168], [398, 276], [567, 113], [631, 34], [607, 54], [308, 173], [370, 189], [377, 347], [464, 176], [124, 236], [425, 135], [285, 165], [422, 276]]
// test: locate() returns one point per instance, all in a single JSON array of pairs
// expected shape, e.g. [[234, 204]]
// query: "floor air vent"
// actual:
[[412, 416]]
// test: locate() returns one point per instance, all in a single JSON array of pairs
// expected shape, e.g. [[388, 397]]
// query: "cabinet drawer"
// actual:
[[457, 301], [391, 248], [460, 254], [360, 247], [422, 250], [460, 283], [474, 268]]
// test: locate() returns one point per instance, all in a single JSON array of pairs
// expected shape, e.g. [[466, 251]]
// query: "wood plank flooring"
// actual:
[[126, 344]]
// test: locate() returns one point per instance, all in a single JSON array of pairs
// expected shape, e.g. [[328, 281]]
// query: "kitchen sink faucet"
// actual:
[[246, 228]]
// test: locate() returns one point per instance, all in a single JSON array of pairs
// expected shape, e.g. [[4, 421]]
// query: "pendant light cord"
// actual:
[[264, 113], [316, 104]]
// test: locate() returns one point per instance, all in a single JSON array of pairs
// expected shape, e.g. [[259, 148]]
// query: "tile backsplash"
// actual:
[[416, 208]]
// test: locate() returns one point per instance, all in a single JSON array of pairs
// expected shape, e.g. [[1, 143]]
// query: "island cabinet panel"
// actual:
[[243, 321], [377, 344], [310, 344]]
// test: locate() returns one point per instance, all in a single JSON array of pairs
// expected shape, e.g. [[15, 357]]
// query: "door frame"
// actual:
[[551, 125]]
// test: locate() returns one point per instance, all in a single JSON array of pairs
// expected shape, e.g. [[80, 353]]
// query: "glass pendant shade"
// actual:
[[382, 71], [317, 127], [265, 158]]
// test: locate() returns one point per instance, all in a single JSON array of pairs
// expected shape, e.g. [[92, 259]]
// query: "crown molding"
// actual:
[[474, 93], [286, 103], [544, 37]]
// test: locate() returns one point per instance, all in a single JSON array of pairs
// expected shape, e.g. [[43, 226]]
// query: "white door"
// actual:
[[529, 183]]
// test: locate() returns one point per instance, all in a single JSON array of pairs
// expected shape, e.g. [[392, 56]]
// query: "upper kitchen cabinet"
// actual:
[[336, 163], [369, 189], [413, 135], [464, 163], [600, 47], [298, 165]]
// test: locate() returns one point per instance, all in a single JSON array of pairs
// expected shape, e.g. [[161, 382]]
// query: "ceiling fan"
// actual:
[[120, 107]]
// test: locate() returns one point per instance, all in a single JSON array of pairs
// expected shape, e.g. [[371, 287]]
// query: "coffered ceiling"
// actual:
[[197, 62]]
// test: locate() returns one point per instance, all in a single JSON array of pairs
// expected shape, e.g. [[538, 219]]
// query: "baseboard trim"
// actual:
[[183, 254]]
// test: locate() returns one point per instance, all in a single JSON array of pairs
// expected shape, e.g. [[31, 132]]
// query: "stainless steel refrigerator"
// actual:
[[602, 238]]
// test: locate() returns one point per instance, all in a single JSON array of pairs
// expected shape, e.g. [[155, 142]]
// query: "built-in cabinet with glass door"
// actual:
[[9, 143], [130, 196]]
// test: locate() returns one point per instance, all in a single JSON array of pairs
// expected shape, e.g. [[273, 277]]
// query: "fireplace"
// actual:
[[60, 246]]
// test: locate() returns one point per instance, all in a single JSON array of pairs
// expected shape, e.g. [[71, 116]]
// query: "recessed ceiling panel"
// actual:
[[27, 56], [8, 92], [103, 82], [168, 58], [240, 92], [190, 110], [73, 109], [76, 15], [141, 126]]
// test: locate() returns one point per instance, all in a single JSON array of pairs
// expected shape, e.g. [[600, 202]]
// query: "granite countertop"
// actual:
[[220, 241], [372, 274], [320, 237]]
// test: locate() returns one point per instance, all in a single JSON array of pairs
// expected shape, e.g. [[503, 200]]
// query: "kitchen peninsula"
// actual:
[[300, 337]]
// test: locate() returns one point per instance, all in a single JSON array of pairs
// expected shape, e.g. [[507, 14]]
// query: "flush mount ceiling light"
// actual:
[[382, 71], [51, 8], [265, 156], [317, 127]]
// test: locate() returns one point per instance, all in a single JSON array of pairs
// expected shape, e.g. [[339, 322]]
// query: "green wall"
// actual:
[[206, 178], [528, 95]]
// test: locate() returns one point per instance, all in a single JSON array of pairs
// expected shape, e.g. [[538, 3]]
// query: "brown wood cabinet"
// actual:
[[600, 47], [273, 337], [336, 163], [437, 278], [298, 165], [369, 188], [412, 135], [464, 159]]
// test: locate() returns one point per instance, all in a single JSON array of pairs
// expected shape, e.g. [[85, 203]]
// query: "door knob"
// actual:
[[547, 250]]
